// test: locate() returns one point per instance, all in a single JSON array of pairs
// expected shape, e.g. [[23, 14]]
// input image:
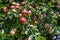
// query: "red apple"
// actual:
[[23, 20], [26, 38], [24, 11], [12, 33], [22, 3], [55, 2], [17, 7], [58, 7], [12, 7], [43, 15], [47, 24], [35, 18], [5, 8], [29, 12]]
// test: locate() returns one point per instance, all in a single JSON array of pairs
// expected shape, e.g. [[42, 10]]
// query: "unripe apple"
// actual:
[[23, 32], [51, 31], [30, 7], [14, 29], [20, 15], [36, 22], [14, 3], [8, 13], [17, 4], [14, 10]]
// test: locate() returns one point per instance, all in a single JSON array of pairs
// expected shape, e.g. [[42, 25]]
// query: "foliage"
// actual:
[[29, 19]]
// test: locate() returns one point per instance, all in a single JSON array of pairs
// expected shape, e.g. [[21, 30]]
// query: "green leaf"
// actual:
[[1, 15], [41, 38], [1, 6], [50, 4]]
